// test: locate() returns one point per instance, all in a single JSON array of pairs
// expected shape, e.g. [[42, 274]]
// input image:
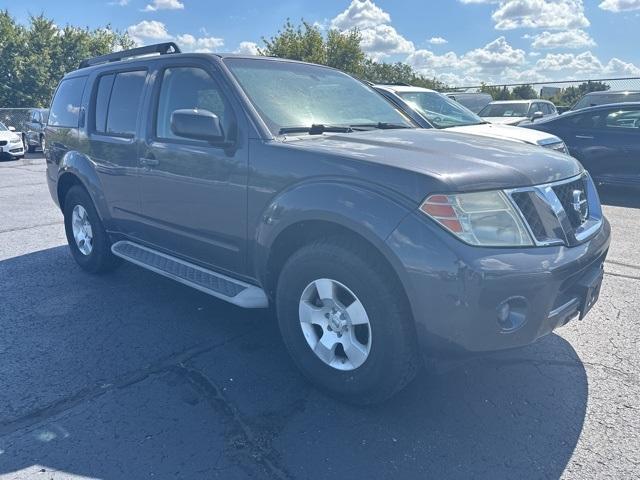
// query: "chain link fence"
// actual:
[[15, 117], [563, 92]]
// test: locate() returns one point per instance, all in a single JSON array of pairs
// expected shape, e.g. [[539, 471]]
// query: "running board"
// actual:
[[220, 286]]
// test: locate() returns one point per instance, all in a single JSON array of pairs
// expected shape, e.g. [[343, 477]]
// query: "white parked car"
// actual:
[[514, 112], [431, 109], [11, 144]]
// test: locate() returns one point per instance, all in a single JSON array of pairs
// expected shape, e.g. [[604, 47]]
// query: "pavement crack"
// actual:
[[621, 275], [17, 229], [257, 450], [164, 365]]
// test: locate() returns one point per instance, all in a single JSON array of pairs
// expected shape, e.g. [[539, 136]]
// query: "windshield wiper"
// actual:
[[380, 125], [316, 129]]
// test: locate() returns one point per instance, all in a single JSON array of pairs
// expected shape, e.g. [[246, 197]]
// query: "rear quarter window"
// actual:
[[65, 108]]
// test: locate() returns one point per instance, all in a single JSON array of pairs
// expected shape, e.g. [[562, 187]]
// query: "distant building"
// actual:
[[549, 92]]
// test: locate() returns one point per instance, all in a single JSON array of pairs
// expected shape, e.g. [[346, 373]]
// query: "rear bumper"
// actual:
[[456, 290]]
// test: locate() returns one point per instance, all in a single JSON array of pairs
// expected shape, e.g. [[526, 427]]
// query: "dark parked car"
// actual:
[[593, 99], [605, 139], [34, 129], [266, 181]]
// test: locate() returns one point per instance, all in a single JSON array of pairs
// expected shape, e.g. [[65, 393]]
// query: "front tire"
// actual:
[[87, 238], [345, 321]]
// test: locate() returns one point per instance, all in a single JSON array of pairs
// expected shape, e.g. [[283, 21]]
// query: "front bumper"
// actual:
[[11, 150], [456, 290]]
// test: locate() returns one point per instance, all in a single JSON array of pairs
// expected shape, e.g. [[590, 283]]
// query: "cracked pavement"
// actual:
[[131, 376]]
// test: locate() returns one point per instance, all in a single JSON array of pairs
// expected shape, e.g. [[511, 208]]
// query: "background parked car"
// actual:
[[34, 129], [473, 101], [430, 109], [11, 145], [594, 99], [514, 112], [605, 139]]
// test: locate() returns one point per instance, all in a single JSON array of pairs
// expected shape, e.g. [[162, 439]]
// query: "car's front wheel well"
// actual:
[[65, 182], [304, 233]]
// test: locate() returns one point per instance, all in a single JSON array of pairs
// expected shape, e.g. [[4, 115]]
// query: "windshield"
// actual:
[[2, 127], [441, 111], [289, 95], [604, 99], [505, 110]]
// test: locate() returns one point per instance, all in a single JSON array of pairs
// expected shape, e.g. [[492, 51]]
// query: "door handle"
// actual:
[[585, 137], [149, 162]]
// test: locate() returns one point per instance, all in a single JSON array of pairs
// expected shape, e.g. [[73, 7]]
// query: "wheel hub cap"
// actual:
[[335, 324], [82, 230]]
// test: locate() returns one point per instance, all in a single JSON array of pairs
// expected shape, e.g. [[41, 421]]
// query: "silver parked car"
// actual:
[[514, 112]]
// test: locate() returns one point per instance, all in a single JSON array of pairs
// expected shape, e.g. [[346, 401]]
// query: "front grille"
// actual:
[[527, 208], [3, 143], [564, 192]]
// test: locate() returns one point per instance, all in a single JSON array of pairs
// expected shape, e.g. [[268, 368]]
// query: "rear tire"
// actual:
[[87, 238], [387, 359]]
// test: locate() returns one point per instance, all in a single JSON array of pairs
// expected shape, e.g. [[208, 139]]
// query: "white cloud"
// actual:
[[565, 39], [360, 14], [152, 31], [620, 5], [247, 48], [189, 43], [551, 14], [495, 56], [147, 30], [120, 3], [164, 5], [379, 38], [437, 41]]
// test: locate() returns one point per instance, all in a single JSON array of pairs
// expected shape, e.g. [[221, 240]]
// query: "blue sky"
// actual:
[[459, 41]]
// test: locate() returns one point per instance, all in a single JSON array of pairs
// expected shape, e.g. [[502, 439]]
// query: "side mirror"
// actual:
[[12, 129], [536, 116], [198, 125]]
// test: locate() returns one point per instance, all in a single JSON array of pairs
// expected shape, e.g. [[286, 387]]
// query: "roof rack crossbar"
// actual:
[[160, 48]]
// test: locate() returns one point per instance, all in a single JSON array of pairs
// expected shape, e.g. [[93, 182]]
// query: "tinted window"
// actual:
[[189, 87], [585, 120], [102, 102], [592, 100], [623, 119], [65, 108], [124, 105]]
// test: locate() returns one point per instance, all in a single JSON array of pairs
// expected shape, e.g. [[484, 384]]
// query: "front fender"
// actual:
[[355, 207], [83, 169]]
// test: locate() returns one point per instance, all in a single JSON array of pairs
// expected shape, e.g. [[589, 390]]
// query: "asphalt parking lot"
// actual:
[[131, 376]]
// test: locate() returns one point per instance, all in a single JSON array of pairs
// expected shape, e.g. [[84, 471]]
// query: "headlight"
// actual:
[[16, 140], [557, 146], [484, 218]]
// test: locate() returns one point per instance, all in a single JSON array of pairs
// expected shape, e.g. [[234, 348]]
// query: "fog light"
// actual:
[[511, 314]]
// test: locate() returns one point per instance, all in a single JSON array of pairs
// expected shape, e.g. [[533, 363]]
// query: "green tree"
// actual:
[[34, 57], [340, 50], [496, 92], [571, 95], [523, 92]]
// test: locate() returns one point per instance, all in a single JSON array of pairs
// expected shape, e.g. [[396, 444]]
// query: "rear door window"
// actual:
[[105, 83], [623, 119], [65, 109], [124, 104]]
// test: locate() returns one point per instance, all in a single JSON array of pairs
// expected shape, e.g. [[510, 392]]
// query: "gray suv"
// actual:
[[263, 182]]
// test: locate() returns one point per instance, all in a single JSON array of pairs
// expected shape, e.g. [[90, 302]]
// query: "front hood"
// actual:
[[507, 132], [8, 135], [460, 162], [504, 120]]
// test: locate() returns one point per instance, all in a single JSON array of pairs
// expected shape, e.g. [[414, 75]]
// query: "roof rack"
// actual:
[[160, 48]]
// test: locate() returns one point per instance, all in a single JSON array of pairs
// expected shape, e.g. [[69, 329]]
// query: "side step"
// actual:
[[215, 284]]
